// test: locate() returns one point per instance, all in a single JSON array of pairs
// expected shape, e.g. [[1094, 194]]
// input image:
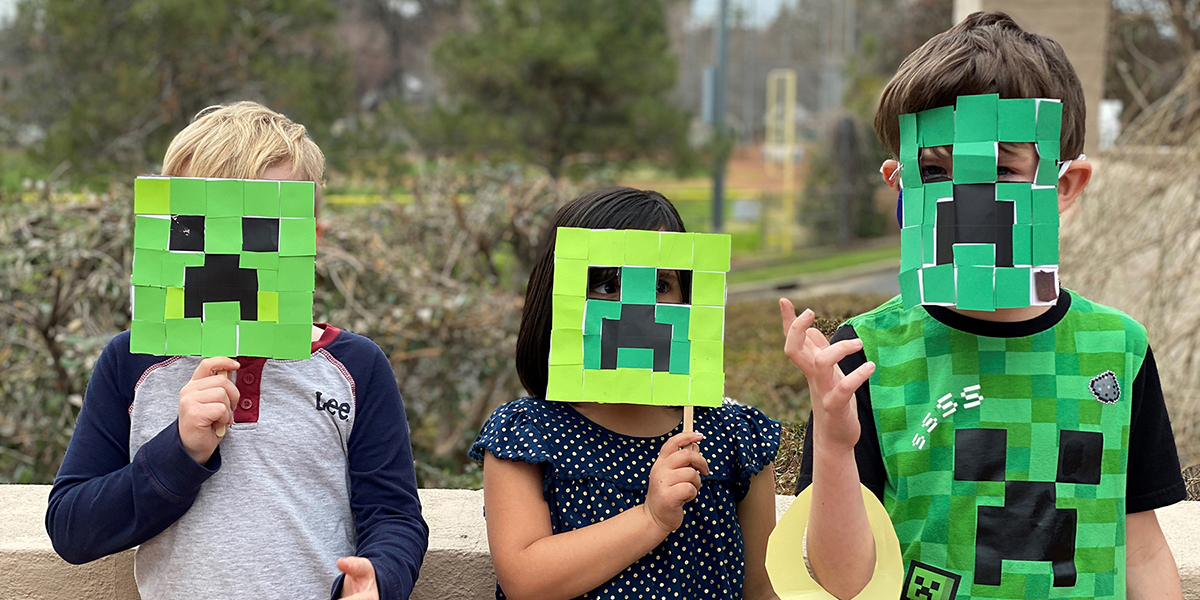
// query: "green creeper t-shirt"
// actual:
[[1005, 454]]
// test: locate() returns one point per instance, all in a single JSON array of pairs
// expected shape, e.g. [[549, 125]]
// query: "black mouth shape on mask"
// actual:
[[221, 279], [975, 217], [635, 329]]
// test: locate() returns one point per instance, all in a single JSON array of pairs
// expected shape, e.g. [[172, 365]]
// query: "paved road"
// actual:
[[871, 279]]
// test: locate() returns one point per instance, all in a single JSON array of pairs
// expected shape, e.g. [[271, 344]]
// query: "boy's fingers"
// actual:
[[850, 383], [214, 364], [815, 340], [217, 382], [788, 313], [212, 414], [831, 356], [355, 566]]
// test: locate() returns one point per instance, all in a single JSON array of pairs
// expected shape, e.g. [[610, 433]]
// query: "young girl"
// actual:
[[587, 500]]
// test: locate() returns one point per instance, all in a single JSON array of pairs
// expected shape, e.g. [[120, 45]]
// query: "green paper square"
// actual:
[[564, 383], [268, 306], [641, 248], [260, 261], [910, 287], [173, 270], [297, 199], [566, 347], [708, 289], [174, 303], [675, 250], [1012, 287], [261, 199], [183, 337], [707, 355], [223, 235], [295, 308], [1017, 120], [567, 312], [639, 285], [1045, 244], [297, 237], [1047, 172], [975, 120], [147, 337], [913, 203], [222, 312], [706, 323], [152, 196], [708, 388], [974, 162], [909, 132], [1045, 205], [591, 351], [606, 248], [147, 267], [675, 315], [976, 288], [189, 259], [632, 386], [936, 126], [1049, 149], [1020, 195], [268, 281], [571, 242], [218, 338], [1049, 120], [570, 277], [1022, 244], [983, 255], [296, 274], [189, 196], [292, 341], [681, 353], [711, 252], [152, 233], [938, 284], [934, 192], [599, 385], [634, 358], [911, 248], [597, 310], [929, 251], [670, 389], [225, 199], [149, 303], [256, 338]]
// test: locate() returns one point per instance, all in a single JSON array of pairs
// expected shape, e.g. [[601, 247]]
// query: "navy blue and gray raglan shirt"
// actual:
[[317, 465]]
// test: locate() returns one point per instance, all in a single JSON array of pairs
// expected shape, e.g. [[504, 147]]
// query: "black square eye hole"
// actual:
[[674, 281], [187, 233], [260, 234]]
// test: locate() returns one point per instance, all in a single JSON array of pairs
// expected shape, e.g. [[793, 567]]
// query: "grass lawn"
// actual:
[[797, 265]]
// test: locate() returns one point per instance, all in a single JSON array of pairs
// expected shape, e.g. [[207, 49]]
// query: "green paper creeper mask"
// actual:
[[974, 242], [636, 351], [223, 267]]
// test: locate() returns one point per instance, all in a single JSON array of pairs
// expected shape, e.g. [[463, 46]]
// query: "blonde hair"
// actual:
[[240, 141]]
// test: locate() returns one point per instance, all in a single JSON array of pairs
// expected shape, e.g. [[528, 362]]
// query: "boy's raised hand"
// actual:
[[675, 480], [206, 405], [359, 583], [835, 424]]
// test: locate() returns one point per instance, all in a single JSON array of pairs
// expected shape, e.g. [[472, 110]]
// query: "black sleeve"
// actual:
[[867, 454], [1153, 479]]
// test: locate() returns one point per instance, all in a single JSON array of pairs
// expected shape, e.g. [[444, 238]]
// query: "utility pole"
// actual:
[[718, 206]]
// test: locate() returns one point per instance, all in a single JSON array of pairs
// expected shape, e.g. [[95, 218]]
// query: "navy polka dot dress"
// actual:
[[592, 474]]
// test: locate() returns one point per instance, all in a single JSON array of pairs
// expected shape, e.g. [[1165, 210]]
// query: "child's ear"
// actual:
[[1072, 182], [890, 171]]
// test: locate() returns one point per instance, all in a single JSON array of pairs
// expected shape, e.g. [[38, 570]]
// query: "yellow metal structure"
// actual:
[[781, 146]]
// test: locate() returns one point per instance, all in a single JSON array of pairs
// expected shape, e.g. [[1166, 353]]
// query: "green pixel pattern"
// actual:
[[163, 276], [696, 373]]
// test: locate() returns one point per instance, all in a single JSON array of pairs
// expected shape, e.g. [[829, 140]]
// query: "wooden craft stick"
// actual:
[[220, 431]]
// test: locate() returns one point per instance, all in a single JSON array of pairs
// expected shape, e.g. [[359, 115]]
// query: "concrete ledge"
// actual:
[[457, 566]]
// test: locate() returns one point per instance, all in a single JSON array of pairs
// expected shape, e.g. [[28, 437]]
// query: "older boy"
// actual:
[[1016, 435], [249, 487]]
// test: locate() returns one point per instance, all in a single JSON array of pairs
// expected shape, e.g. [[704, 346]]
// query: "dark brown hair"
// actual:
[[609, 208], [987, 53]]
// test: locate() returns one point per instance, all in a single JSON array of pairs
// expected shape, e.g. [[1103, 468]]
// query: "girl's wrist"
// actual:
[[655, 525]]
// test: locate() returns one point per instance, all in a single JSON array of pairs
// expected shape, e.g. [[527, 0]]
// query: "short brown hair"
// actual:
[[987, 53], [241, 140]]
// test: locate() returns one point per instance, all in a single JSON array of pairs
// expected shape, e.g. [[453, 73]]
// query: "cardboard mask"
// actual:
[[974, 242], [223, 267], [635, 350]]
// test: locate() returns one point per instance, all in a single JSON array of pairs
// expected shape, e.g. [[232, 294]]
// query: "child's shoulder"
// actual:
[[742, 433], [515, 431]]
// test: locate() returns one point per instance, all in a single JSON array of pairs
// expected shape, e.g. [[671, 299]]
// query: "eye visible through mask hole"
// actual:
[[673, 286]]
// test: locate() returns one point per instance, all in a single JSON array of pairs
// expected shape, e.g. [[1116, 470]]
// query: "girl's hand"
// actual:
[[675, 480], [205, 405], [835, 422]]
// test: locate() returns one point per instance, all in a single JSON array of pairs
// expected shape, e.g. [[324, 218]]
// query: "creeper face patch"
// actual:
[[636, 350], [972, 241], [925, 582], [223, 267]]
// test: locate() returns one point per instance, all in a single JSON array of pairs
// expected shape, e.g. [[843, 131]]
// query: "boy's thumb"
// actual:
[[355, 566]]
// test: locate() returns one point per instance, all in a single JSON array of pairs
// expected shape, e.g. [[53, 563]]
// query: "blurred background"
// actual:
[[454, 128]]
